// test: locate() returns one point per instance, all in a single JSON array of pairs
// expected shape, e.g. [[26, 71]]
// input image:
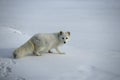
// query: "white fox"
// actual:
[[41, 43]]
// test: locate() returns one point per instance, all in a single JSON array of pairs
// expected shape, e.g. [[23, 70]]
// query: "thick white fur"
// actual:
[[41, 43]]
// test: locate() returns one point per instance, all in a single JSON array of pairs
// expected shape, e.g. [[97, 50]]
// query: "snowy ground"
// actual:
[[92, 54]]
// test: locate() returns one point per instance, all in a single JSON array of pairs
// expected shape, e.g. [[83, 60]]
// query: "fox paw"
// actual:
[[62, 53], [37, 54]]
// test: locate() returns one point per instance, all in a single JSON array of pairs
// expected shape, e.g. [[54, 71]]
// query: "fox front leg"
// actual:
[[50, 51], [57, 49]]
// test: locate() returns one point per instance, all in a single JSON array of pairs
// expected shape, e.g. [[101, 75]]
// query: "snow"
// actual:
[[92, 54]]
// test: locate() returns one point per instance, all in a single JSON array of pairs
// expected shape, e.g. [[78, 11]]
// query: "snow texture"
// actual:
[[92, 54], [6, 66]]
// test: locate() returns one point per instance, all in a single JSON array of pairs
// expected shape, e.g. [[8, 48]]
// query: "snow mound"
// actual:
[[11, 37]]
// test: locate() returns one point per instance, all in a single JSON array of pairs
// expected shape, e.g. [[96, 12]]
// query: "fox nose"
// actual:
[[64, 42]]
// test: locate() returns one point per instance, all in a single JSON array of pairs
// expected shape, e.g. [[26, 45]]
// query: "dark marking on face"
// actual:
[[68, 33], [64, 42], [61, 32]]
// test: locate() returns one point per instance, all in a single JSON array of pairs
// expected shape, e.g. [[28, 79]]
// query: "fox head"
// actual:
[[64, 37]]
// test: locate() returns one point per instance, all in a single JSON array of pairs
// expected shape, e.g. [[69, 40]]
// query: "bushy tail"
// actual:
[[14, 55]]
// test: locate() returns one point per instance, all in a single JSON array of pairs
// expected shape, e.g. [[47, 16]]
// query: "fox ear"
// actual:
[[61, 32], [68, 33]]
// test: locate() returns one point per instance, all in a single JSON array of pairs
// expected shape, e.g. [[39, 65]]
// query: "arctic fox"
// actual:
[[41, 43]]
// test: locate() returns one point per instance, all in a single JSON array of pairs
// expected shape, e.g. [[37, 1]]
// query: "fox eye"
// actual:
[[63, 38], [66, 37]]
